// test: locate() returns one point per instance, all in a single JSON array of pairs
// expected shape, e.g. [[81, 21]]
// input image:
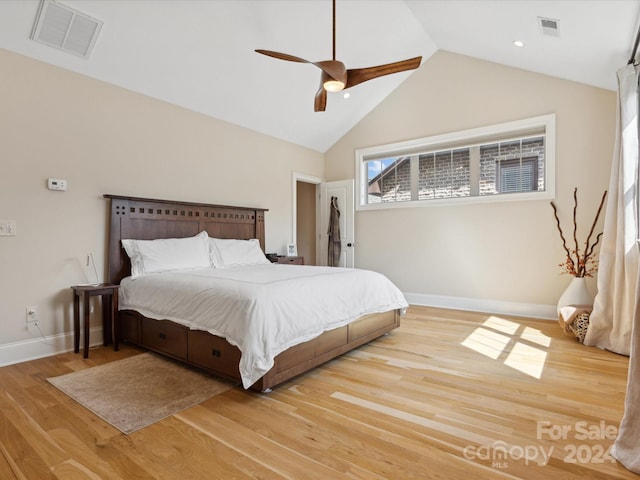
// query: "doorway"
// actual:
[[305, 225], [306, 221], [310, 218]]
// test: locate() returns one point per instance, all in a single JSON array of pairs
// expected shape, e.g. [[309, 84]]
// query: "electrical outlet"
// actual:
[[7, 228], [32, 314]]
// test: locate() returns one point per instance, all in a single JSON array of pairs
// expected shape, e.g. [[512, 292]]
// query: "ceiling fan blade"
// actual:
[[320, 103], [359, 75], [282, 56], [334, 69]]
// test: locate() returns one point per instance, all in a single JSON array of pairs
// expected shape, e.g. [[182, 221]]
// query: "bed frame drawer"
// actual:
[[372, 323], [213, 353], [331, 340], [164, 336], [294, 356]]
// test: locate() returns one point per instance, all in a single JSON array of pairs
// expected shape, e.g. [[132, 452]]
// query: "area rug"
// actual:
[[137, 391]]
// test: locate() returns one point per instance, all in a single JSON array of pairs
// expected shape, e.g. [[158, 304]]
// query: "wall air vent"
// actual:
[[65, 28], [549, 26]]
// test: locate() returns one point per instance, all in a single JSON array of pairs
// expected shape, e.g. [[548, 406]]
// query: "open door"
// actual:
[[343, 190]]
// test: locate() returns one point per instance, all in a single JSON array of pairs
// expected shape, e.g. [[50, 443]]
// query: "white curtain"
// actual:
[[614, 322], [614, 307], [626, 448]]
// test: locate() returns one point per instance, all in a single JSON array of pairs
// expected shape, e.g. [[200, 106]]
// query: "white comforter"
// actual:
[[262, 309]]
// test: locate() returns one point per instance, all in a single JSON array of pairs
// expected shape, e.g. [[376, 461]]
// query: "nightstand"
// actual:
[[291, 260], [109, 298]]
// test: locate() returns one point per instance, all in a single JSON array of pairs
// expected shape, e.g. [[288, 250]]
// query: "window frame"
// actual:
[[543, 125]]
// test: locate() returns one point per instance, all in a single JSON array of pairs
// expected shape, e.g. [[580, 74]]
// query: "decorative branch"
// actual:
[[598, 237], [583, 265], [575, 230], [587, 252], [564, 242]]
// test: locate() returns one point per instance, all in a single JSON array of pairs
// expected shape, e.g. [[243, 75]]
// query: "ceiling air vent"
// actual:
[[549, 26], [65, 28]]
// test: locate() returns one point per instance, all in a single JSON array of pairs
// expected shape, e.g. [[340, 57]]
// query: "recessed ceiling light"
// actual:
[[518, 43], [346, 95]]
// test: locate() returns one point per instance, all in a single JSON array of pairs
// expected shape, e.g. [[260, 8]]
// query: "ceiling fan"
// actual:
[[335, 76]]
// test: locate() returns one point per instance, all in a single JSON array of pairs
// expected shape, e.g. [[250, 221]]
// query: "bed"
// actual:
[[191, 337]]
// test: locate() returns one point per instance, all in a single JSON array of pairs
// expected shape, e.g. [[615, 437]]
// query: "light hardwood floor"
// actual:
[[441, 397]]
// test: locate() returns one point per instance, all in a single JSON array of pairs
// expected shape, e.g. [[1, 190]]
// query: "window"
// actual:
[[510, 161], [518, 175]]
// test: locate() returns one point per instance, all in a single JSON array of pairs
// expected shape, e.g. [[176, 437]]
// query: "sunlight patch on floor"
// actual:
[[522, 348], [501, 324], [487, 342], [529, 360], [536, 336]]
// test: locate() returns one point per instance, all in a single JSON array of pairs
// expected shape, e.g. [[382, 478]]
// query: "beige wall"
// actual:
[[104, 139], [506, 252]]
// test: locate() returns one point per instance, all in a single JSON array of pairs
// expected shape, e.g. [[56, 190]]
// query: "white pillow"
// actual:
[[161, 255], [236, 253]]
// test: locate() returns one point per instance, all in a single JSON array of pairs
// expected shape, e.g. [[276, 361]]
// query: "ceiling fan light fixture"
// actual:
[[333, 85]]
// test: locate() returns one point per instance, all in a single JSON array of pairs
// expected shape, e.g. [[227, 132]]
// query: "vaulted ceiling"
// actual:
[[199, 54]]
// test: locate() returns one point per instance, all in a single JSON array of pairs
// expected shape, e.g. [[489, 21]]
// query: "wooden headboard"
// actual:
[[148, 219]]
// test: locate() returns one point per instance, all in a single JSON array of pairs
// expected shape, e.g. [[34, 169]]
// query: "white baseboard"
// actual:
[[532, 310], [39, 347]]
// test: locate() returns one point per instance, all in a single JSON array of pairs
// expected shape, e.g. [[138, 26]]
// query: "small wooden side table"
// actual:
[[109, 298]]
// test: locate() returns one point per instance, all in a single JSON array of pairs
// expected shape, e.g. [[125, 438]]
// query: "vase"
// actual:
[[577, 293]]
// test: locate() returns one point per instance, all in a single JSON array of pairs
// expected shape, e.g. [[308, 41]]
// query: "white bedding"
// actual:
[[262, 309]]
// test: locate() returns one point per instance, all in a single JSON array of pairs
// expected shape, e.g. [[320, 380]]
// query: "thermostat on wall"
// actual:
[[57, 184]]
